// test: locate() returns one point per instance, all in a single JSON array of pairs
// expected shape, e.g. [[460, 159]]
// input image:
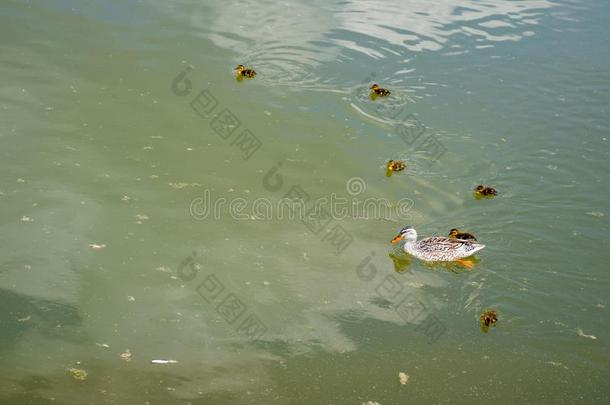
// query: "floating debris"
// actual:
[[596, 214], [131, 298], [371, 403], [403, 378], [77, 373], [580, 333], [557, 364], [164, 269], [141, 217], [178, 186], [487, 319], [26, 219], [126, 198], [164, 361], [96, 246], [103, 345], [27, 318], [126, 355]]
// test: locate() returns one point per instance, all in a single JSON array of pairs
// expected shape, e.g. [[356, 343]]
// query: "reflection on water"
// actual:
[[289, 41]]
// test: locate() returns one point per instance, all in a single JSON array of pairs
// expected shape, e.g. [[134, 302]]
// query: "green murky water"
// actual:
[[140, 189]]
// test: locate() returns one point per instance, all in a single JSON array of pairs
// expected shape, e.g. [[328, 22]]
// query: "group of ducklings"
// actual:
[[243, 72], [489, 317]]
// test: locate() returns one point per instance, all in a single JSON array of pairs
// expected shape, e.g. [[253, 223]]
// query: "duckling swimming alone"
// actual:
[[487, 319], [378, 91], [484, 191], [456, 234], [242, 72], [396, 165]]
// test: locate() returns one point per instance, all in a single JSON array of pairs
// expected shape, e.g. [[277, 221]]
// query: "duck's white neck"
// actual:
[[410, 241]]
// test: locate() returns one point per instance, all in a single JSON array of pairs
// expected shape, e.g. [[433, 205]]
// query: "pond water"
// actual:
[[141, 191]]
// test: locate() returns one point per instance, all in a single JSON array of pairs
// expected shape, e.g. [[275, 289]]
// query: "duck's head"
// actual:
[[407, 233], [375, 86], [453, 232], [239, 68], [479, 188]]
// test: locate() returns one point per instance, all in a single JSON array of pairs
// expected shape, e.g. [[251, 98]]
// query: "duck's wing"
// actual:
[[444, 248]]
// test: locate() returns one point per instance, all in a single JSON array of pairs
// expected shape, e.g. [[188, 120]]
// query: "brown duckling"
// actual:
[[379, 91], [487, 319], [242, 72], [485, 191], [396, 165], [456, 234]]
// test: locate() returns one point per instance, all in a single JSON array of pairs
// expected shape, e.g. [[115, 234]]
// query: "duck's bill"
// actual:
[[397, 239]]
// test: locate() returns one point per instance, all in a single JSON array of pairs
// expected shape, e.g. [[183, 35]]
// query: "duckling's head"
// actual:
[[239, 68], [453, 232], [479, 188], [375, 86], [407, 233]]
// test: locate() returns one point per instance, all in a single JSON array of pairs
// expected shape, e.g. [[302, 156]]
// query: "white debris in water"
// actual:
[[20, 180], [580, 333], [556, 364], [164, 361], [596, 214], [371, 403], [403, 378], [164, 269], [147, 148], [96, 246], [142, 217], [126, 198], [126, 355], [27, 318], [180, 185], [266, 283], [103, 345], [131, 298], [26, 219]]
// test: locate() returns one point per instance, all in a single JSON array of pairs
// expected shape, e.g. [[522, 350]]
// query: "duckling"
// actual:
[[487, 319], [395, 166], [379, 91], [455, 234], [242, 72], [484, 191]]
